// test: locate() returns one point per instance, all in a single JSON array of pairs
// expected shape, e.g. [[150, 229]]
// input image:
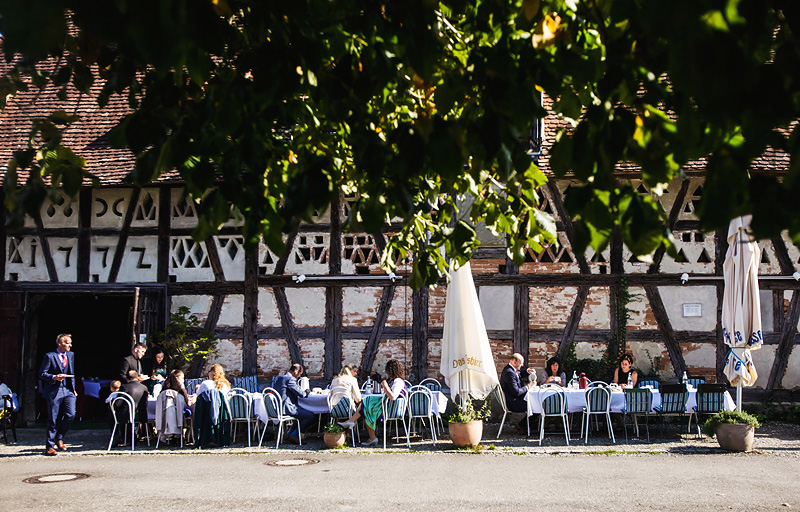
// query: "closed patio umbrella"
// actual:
[[467, 362], [741, 307]]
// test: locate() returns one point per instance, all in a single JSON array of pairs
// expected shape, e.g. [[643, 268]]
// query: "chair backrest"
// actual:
[[122, 407], [710, 398], [552, 401], [420, 402], [249, 384], [638, 401], [272, 404], [240, 404], [191, 385], [648, 382], [408, 384], [432, 384], [394, 409], [597, 383], [501, 398], [696, 382], [598, 399], [344, 408], [674, 398]]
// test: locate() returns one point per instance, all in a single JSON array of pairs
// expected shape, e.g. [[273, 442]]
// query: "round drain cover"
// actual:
[[292, 462], [57, 477]]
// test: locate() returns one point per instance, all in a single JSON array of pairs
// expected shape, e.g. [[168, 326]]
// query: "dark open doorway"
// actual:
[[100, 325]]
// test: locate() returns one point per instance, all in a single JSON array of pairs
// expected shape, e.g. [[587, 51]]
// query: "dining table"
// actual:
[[576, 400]]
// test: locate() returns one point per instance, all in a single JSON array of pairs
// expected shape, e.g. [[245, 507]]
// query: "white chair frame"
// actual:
[[281, 418], [415, 390], [587, 412], [354, 429], [128, 399], [501, 399], [241, 392], [401, 416], [542, 395]]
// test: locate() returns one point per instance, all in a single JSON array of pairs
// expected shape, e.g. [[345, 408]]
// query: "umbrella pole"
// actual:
[[739, 395]]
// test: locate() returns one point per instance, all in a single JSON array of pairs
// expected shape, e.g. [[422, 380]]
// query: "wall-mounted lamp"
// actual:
[[684, 278], [300, 278]]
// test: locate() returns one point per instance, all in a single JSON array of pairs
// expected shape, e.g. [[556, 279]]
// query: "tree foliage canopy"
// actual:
[[270, 109]]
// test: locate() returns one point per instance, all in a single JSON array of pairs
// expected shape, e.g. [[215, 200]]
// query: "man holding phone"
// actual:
[[58, 388]]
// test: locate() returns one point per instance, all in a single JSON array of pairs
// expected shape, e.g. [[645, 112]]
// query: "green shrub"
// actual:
[[470, 413], [733, 417], [333, 428]]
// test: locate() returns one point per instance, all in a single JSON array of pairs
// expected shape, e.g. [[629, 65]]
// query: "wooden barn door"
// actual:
[[11, 337], [149, 312]]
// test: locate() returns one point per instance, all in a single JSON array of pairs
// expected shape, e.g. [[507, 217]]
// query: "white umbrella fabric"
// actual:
[[467, 361], [741, 307]]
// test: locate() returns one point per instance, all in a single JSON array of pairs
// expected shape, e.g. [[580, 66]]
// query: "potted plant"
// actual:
[[735, 430], [466, 425], [334, 436]]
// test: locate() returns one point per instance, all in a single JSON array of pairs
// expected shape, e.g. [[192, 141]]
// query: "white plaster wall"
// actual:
[[65, 258], [674, 297], [229, 355], [771, 265], [100, 257], [307, 306], [353, 351], [587, 350], [767, 322], [641, 316], [497, 305], [400, 313], [645, 351], [182, 211], [132, 270], [231, 256], [313, 351], [692, 250], [791, 379], [703, 355], [109, 207], [273, 357], [178, 266], [596, 313], [360, 305], [148, 206], [763, 359], [267, 308], [232, 313], [198, 305], [32, 266], [63, 213]]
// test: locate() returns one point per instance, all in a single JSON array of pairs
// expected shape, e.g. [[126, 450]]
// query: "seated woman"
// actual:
[[346, 385], [159, 371], [396, 374], [624, 370], [553, 373], [175, 382], [216, 380]]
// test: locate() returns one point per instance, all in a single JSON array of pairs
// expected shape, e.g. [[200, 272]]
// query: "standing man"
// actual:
[[133, 362], [58, 388], [513, 389], [289, 390]]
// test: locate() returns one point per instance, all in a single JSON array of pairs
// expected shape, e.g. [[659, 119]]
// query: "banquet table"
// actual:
[[92, 388], [318, 403], [576, 400]]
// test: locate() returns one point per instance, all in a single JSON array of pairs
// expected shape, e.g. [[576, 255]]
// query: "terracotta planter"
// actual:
[[735, 437], [466, 434], [334, 440]]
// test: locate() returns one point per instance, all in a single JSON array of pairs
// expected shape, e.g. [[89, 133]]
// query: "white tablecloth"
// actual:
[[318, 404], [576, 400]]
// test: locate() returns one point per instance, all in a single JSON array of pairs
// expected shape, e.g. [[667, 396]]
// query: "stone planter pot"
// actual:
[[735, 437], [334, 440], [466, 434]]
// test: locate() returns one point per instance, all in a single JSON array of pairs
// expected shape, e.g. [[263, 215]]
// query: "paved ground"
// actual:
[[680, 474]]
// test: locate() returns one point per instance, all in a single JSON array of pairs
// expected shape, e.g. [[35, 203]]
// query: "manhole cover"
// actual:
[[292, 462], [58, 477]]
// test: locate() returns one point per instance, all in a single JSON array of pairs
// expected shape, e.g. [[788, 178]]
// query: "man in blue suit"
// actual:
[[57, 374], [290, 391]]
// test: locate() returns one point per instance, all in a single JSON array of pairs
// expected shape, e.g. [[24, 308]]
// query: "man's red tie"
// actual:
[[64, 360]]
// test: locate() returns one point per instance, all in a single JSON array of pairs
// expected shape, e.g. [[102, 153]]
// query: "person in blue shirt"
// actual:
[[289, 391]]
